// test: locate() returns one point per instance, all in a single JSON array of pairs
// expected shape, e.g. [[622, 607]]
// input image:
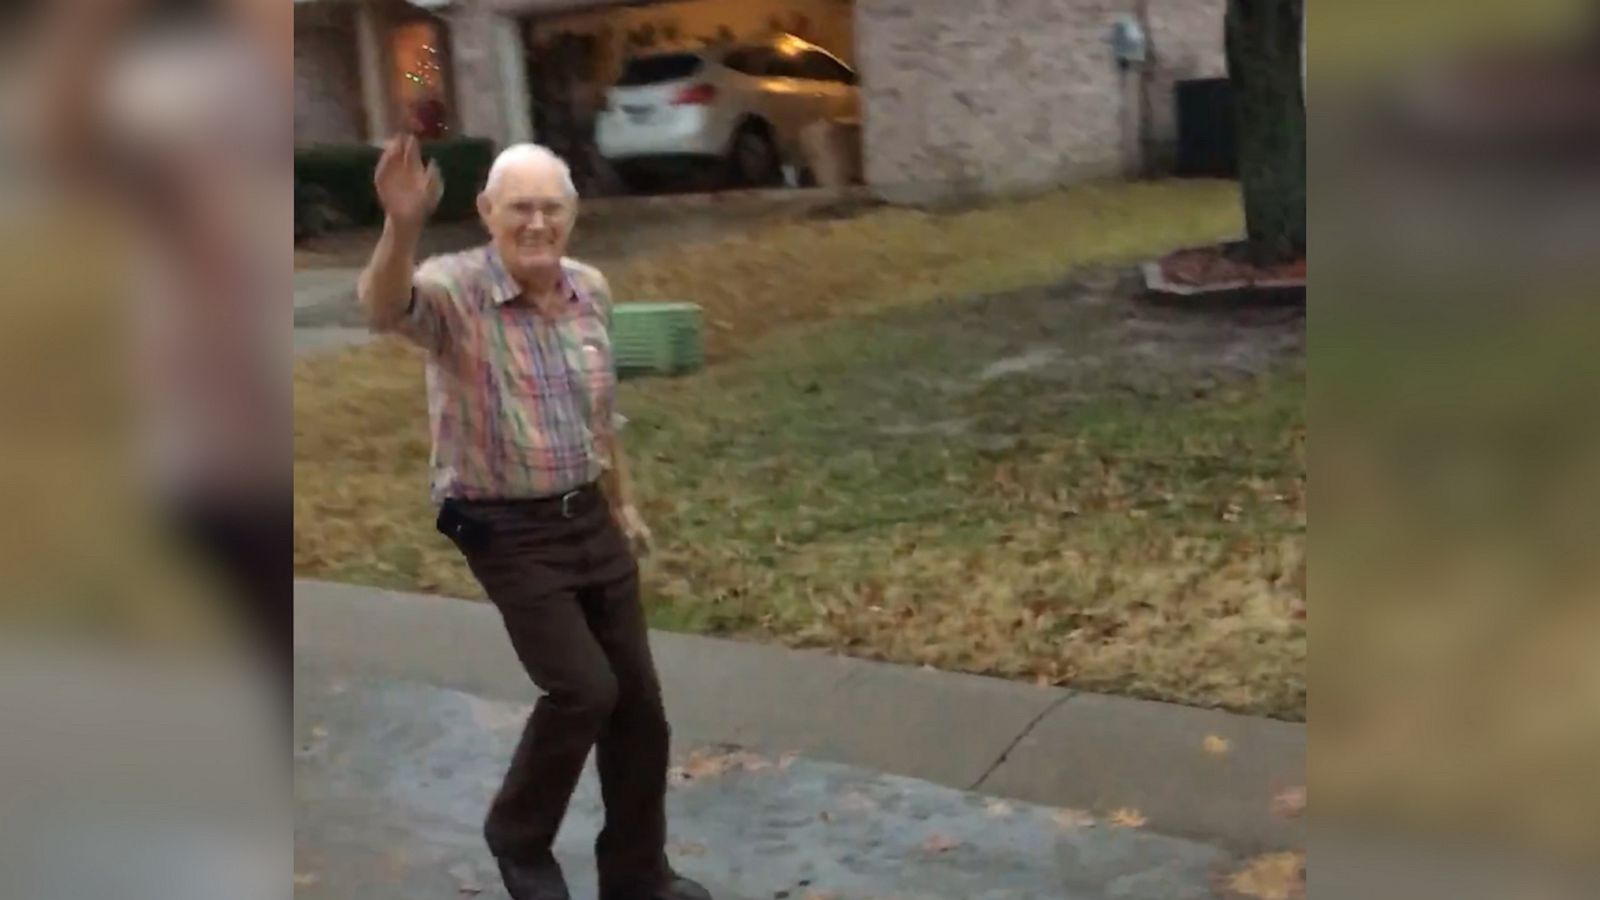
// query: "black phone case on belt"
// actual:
[[468, 532]]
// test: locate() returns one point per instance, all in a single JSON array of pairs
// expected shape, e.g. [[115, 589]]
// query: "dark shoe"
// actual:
[[676, 888], [534, 881], [681, 888]]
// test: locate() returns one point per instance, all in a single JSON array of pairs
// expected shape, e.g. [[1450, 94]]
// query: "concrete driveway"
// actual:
[[801, 775]]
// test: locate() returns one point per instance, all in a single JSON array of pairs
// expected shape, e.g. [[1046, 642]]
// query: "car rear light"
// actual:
[[695, 95]]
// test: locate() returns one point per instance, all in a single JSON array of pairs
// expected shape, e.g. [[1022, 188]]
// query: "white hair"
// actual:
[[518, 155]]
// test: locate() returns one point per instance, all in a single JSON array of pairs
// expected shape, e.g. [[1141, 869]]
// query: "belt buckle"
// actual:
[[568, 500]]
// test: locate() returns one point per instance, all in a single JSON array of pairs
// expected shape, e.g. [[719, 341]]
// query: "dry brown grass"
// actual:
[[780, 275], [1108, 518]]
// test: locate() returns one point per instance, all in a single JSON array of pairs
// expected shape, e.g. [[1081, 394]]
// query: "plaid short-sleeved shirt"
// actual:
[[515, 399]]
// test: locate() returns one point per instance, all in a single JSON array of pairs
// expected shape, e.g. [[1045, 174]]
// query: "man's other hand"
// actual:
[[637, 532]]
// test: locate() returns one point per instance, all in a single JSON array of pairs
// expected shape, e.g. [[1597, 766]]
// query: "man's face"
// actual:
[[529, 216]]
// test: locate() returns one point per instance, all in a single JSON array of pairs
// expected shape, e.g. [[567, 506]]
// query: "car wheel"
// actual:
[[635, 180], [754, 160]]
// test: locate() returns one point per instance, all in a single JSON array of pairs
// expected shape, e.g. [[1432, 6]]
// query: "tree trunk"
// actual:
[[1264, 39]]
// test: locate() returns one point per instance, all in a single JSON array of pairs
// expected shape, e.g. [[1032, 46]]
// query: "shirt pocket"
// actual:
[[596, 362], [596, 368]]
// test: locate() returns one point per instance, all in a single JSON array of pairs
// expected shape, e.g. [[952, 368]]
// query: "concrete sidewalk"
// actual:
[[326, 316], [314, 287], [326, 298], [1044, 746]]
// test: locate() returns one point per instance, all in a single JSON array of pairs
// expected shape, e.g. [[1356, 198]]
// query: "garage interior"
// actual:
[[573, 58]]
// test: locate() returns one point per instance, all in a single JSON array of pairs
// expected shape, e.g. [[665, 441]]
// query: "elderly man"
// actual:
[[533, 490]]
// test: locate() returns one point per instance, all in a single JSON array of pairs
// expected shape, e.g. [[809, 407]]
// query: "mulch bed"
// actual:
[[1224, 265]]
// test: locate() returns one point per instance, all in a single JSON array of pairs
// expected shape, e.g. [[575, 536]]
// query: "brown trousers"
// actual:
[[567, 586]]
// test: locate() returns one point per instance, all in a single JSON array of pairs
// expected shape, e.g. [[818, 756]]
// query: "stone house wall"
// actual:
[[996, 96], [327, 87]]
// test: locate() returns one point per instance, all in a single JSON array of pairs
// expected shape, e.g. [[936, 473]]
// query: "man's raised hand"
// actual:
[[408, 192]]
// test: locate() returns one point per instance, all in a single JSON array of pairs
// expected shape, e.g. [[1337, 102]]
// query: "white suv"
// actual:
[[739, 109]]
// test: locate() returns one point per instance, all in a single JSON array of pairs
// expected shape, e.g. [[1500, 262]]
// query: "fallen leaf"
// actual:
[[466, 876], [855, 801], [1216, 746], [306, 879], [687, 849], [1290, 803], [999, 809], [751, 762], [1127, 818], [502, 717], [319, 732], [940, 843], [703, 764], [396, 863], [1275, 876], [1073, 818]]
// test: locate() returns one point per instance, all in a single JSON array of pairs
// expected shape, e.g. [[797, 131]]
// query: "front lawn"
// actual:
[[923, 465]]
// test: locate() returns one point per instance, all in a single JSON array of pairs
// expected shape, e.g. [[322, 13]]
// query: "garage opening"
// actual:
[[697, 95]]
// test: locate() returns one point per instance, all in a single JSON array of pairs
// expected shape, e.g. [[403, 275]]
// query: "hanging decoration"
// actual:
[[426, 69]]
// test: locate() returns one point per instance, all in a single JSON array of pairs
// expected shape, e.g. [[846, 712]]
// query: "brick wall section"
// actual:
[[1000, 96], [327, 92], [1186, 42]]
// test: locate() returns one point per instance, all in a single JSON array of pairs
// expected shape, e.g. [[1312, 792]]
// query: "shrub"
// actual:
[[315, 212], [342, 174]]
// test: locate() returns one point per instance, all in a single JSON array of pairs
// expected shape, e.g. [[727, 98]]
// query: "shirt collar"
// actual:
[[503, 288]]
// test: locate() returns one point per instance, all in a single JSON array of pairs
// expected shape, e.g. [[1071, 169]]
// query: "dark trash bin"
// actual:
[[1206, 144]]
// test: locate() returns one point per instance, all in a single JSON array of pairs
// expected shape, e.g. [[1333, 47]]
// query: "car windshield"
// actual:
[[656, 69]]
